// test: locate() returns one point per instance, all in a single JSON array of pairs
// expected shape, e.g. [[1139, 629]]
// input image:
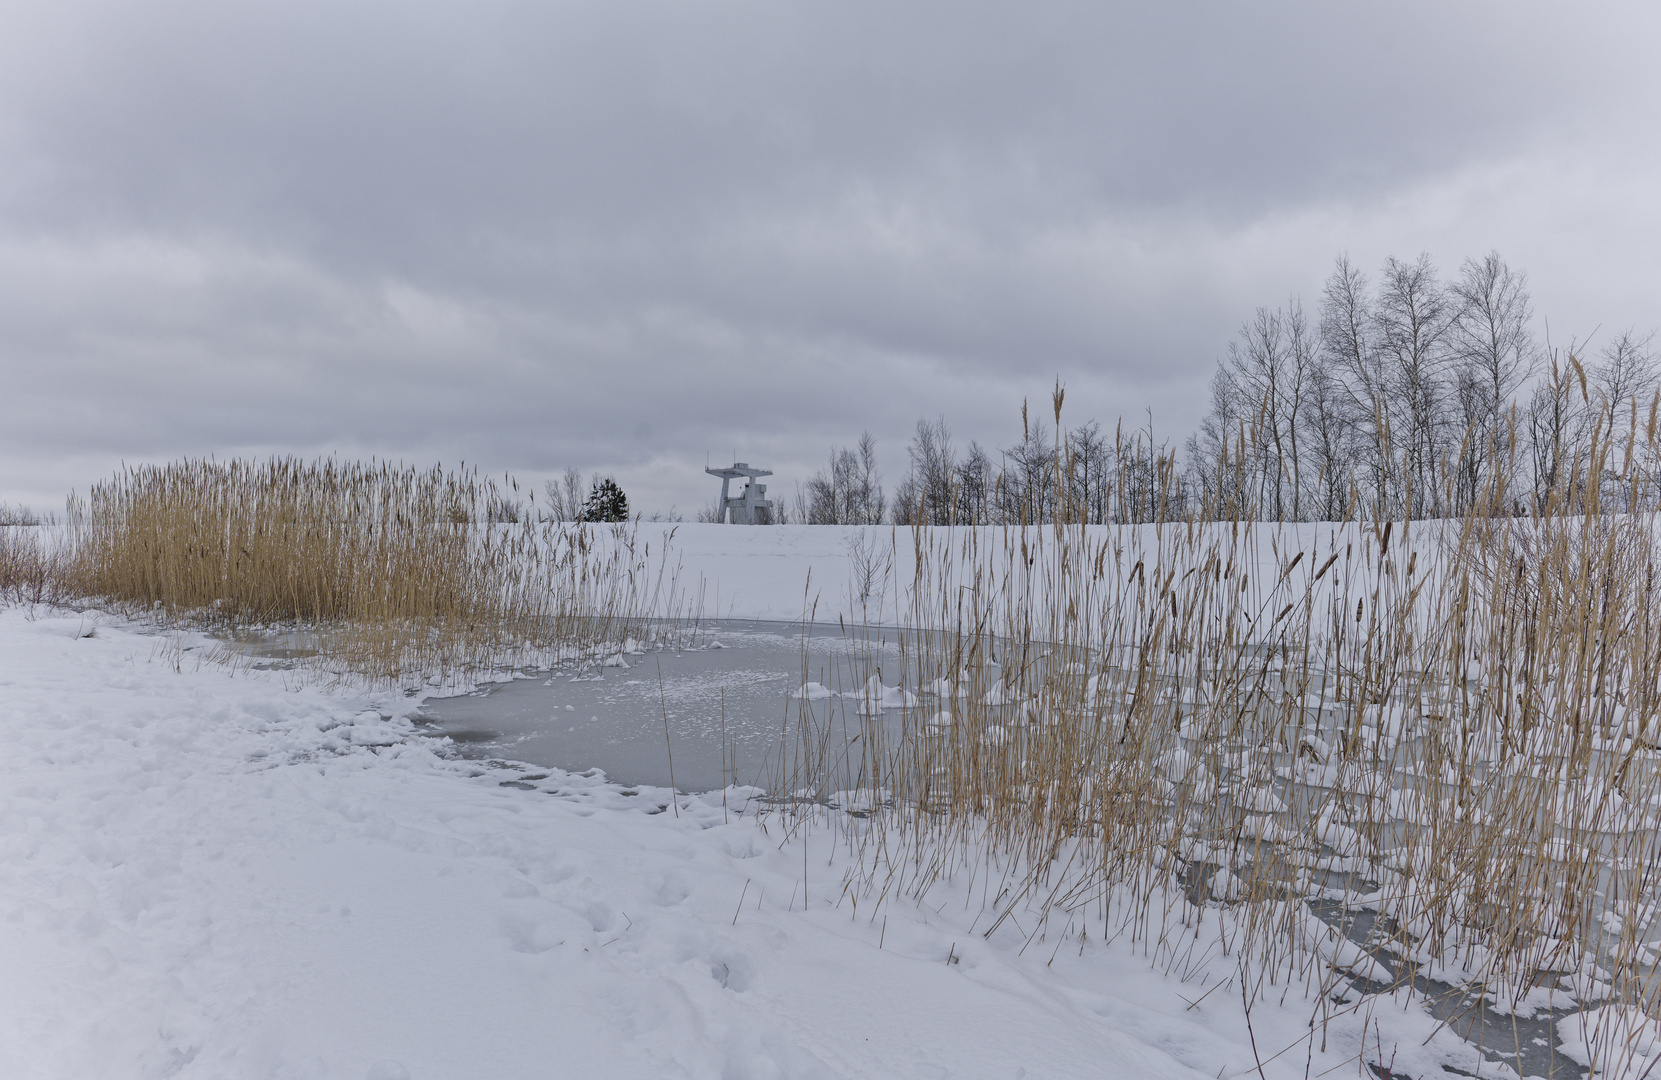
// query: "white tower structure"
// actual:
[[748, 507]]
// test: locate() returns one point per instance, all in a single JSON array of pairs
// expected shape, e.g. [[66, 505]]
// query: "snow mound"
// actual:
[[1260, 800], [874, 697], [946, 687], [999, 695]]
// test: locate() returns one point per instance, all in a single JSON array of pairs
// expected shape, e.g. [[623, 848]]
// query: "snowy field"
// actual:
[[208, 874]]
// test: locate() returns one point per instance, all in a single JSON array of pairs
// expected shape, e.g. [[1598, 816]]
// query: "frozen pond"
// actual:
[[724, 705], [715, 709]]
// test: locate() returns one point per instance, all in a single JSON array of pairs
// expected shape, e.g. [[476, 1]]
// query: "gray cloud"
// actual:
[[621, 235]]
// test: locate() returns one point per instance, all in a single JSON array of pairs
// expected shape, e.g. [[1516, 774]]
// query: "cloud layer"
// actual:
[[623, 236]]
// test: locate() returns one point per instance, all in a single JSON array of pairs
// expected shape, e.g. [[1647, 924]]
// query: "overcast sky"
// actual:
[[626, 236]]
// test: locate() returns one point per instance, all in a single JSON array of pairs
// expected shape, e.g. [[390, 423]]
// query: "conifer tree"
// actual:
[[606, 502]]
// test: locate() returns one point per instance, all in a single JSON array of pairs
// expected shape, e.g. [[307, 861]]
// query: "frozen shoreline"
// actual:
[[208, 874]]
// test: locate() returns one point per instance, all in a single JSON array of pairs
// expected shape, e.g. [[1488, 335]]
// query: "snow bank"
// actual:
[[207, 875]]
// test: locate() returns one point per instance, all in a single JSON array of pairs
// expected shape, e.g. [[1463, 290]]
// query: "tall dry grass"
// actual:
[[394, 572], [1447, 729]]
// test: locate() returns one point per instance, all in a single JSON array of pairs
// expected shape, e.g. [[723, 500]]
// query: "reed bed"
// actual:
[[1445, 731], [386, 571]]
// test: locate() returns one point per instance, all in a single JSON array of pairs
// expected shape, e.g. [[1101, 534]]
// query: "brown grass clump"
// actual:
[[395, 572]]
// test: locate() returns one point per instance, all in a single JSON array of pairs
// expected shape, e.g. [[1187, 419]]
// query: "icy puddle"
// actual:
[[714, 711]]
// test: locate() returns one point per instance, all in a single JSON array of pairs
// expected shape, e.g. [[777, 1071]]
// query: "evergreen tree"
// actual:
[[606, 502]]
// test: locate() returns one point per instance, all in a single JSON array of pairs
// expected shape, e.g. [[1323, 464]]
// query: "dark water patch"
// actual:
[[1525, 1039], [473, 736]]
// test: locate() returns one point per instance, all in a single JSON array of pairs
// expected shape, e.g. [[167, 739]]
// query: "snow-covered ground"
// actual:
[[785, 572], [208, 874], [789, 572]]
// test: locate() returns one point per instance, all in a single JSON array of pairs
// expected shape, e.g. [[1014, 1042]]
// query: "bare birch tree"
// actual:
[[849, 491], [1494, 355], [1412, 315], [1347, 344]]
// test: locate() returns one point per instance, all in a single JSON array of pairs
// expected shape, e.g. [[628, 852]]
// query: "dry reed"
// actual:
[[391, 572], [1448, 727]]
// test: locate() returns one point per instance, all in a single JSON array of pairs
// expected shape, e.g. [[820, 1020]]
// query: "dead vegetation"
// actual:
[[394, 573], [1449, 729]]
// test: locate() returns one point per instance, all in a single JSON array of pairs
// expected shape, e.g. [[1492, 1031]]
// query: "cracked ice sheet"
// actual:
[[208, 875]]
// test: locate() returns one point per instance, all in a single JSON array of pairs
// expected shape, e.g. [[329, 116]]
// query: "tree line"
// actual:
[[1082, 473], [1415, 396], [1406, 396]]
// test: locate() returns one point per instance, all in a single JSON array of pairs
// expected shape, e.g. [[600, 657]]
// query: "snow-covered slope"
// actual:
[[820, 571], [781, 572]]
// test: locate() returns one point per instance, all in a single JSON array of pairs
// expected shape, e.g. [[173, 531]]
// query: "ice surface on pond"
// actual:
[[716, 708]]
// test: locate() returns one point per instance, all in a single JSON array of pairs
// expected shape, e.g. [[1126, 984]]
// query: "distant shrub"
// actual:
[[31, 567], [606, 502], [19, 515]]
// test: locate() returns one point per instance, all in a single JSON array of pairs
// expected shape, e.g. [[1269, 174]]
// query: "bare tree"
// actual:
[[1252, 442], [1347, 345], [1494, 354], [827, 492], [1256, 366], [1329, 440], [567, 495], [1412, 316], [1028, 483], [1268, 370], [975, 487], [849, 491], [1558, 422], [1302, 361], [1089, 469], [926, 493], [1217, 455], [1147, 486], [1625, 379], [867, 483], [1406, 401]]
